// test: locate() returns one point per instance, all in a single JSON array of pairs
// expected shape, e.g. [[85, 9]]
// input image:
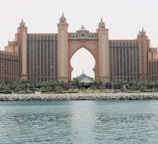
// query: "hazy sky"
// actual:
[[123, 18]]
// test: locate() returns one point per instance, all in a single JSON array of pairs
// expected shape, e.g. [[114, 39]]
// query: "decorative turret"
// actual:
[[82, 28], [143, 48], [21, 38], [63, 49], [22, 24], [103, 48], [142, 33], [62, 19], [82, 32], [62, 23], [101, 24]]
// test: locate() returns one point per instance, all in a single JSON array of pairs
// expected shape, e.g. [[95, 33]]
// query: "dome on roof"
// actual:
[[82, 28], [83, 78], [86, 80]]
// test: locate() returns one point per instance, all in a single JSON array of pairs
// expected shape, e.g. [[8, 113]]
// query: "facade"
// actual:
[[42, 57], [46, 56], [129, 58], [9, 63]]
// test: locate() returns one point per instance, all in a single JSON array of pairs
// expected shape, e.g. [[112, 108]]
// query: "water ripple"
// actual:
[[97, 122]]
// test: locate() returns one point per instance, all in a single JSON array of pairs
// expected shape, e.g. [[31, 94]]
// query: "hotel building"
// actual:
[[46, 56]]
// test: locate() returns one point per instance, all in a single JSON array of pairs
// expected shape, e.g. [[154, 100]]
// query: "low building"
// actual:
[[83, 78]]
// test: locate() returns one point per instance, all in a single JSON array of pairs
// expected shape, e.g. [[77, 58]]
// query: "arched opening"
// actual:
[[82, 61]]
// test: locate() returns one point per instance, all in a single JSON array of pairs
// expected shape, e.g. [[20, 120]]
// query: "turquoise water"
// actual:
[[79, 122]]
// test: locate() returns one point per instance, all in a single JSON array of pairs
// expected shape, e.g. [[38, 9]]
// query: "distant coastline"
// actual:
[[79, 96]]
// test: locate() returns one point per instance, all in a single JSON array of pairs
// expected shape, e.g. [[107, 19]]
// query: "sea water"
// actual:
[[79, 122]]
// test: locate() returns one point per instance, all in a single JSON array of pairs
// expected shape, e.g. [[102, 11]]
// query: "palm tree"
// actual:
[[1, 85], [119, 84]]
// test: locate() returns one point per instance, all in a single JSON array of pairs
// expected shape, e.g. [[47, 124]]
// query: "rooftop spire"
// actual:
[[62, 18], [101, 21], [101, 24], [22, 24], [142, 33], [62, 15], [82, 27]]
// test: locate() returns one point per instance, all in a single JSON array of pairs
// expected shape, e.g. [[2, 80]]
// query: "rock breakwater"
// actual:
[[79, 96]]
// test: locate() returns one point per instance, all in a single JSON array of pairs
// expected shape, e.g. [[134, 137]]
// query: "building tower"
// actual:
[[144, 44], [21, 38], [62, 49], [103, 52]]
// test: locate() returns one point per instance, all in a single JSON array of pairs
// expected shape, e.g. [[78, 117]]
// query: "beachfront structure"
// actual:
[[46, 56]]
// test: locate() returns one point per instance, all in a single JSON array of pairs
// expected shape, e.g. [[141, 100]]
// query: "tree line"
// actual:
[[53, 86]]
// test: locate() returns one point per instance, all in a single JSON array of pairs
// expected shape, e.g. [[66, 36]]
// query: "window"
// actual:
[[82, 35]]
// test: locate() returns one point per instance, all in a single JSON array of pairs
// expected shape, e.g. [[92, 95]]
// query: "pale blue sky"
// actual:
[[123, 18]]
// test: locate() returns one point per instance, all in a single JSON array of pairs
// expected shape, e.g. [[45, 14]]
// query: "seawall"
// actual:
[[79, 96]]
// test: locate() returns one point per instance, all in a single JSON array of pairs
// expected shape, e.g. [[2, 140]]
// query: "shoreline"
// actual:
[[78, 96]]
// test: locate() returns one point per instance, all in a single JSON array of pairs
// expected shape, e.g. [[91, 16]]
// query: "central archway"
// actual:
[[82, 61], [90, 47], [97, 43]]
